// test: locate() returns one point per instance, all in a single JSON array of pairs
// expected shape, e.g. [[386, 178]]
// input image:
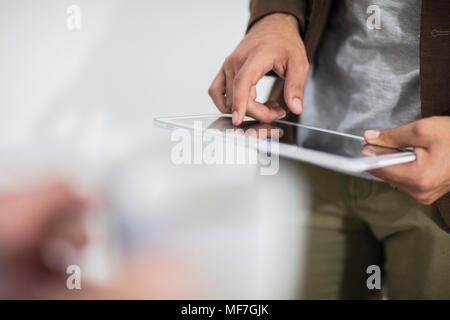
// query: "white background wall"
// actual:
[[131, 61]]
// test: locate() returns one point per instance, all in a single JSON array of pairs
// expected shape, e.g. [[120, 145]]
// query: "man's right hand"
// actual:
[[273, 43]]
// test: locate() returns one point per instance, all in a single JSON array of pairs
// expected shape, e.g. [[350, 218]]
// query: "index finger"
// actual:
[[249, 75]]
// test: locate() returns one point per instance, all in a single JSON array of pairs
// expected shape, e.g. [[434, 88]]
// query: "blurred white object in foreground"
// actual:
[[229, 232], [238, 233]]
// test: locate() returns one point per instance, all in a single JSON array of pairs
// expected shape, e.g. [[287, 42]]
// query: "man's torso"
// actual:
[[363, 77]]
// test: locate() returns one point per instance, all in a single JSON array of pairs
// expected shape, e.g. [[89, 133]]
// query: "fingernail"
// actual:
[[372, 134], [235, 118], [281, 115], [297, 104]]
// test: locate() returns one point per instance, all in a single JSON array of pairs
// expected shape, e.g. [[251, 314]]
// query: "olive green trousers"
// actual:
[[356, 223]]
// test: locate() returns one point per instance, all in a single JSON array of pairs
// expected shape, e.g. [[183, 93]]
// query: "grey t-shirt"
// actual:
[[363, 78]]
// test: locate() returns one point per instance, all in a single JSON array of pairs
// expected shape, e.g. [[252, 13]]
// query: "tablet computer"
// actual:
[[330, 149]]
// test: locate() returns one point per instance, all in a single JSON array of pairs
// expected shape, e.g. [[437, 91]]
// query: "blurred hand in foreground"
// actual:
[[29, 220], [428, 178]]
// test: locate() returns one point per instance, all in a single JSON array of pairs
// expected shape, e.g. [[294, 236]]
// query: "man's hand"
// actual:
[[273, 43], [29, 218], [428, 178]]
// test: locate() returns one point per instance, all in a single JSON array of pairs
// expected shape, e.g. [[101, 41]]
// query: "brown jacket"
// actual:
[[312, 16]]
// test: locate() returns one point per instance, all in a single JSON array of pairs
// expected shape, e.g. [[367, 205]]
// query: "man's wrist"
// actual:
[[279, 19]]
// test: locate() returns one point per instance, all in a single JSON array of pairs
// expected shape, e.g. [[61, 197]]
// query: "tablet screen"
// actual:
[[298, 135]]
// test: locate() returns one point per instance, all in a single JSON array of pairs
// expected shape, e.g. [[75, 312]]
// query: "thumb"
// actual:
[[294, 85], [403, 136]]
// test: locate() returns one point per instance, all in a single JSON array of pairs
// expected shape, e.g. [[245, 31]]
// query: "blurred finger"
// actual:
[[58, 197]]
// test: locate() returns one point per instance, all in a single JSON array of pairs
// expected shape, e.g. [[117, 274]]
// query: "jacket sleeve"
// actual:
[[261, 8]]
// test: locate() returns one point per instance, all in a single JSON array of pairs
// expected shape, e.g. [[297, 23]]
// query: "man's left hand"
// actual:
[[428, 178]]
